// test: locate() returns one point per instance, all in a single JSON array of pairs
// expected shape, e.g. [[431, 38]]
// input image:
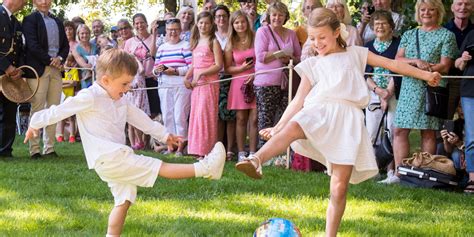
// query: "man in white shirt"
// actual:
[[102, 114]]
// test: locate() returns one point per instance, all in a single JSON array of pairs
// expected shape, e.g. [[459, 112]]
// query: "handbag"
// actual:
[[436, 98], [383, 151], [435, 162], [248, 92], [285, 75]]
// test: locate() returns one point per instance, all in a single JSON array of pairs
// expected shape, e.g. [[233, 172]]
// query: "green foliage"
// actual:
[[61, 197]]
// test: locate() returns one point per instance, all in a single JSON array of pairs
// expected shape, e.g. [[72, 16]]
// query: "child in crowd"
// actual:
[[206, 63], [325, 121], [239, 58], [104, 43], [102, 113], [70, 81]]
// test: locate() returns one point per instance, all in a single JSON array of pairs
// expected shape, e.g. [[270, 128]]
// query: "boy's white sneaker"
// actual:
[[213, 163]]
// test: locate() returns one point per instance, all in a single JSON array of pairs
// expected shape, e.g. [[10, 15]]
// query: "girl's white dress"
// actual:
[[332, 117]]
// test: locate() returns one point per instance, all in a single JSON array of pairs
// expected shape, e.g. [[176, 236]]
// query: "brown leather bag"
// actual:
[[435, 162]]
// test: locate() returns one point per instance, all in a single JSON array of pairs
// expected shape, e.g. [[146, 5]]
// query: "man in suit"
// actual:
[[11, 56], [46, 49]]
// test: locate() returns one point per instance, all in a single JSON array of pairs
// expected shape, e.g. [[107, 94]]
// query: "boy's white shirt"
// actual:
[[101, 121]]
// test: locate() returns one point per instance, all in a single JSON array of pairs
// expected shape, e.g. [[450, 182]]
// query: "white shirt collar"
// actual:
[[8, 10]]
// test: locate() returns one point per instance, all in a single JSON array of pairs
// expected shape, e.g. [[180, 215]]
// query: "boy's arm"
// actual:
[[137, 118], [56, 113]]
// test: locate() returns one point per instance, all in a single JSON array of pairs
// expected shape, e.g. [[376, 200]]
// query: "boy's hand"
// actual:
[[174, 140], [31, 133]]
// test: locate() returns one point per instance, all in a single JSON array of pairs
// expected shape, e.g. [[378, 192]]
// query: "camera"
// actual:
[[448, 125], [161, 27], [371, 10]]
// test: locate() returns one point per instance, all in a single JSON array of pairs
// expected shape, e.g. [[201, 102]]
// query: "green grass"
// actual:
[[61, 197]]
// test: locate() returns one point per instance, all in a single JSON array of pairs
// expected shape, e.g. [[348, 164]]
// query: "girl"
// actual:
[[207, 61], [325, 120], [239, 58], [70, 81]]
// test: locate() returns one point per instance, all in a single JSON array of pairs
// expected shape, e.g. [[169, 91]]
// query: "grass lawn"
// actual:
[[61, 197]]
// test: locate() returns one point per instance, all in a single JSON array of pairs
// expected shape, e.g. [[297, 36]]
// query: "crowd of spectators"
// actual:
[[186, 54]]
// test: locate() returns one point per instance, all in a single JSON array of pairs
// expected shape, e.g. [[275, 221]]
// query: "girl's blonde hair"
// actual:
[[233, 34], [347, 15], [321, 17], [436, 4], [195, 31], [82, 27]]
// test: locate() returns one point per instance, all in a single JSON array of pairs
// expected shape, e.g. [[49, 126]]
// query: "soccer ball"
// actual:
[[277, 227]]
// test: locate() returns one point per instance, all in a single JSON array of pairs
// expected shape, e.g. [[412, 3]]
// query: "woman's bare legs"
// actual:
[[428, 141], [337, 202], [401, 145]]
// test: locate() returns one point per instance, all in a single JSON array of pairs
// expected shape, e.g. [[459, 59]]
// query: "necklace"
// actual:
[[243, 41]]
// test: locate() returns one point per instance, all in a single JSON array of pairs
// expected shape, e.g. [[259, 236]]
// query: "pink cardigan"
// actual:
[[264, 43]]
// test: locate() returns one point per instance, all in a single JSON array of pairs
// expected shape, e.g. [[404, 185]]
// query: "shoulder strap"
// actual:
[[380, 127], [273, 36], [146, 47], [418, 44]]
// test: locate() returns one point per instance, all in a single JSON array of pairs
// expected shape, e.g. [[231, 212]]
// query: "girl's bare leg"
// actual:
[[338, 192], [253, 130]]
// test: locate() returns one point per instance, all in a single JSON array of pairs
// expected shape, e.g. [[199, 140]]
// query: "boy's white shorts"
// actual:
[[124, 171]]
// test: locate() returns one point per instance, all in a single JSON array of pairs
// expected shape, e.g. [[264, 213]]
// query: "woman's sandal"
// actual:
[[469, 189], [251, 166]]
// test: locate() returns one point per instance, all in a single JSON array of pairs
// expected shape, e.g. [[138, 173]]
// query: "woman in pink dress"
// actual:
[[139, 46], [207, 62], [239, 58]]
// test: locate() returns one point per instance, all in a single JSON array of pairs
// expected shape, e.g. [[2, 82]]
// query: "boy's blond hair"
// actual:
[[116, 62]]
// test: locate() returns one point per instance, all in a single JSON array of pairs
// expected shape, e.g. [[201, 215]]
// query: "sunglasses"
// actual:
[[124, 28], [172, 20]]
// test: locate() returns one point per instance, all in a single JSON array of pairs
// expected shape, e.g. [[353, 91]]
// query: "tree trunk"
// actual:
[[170, 6]]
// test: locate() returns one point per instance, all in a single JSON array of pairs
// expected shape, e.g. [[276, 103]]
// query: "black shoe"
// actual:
[[51, 155], [6, 155], [36, 156]]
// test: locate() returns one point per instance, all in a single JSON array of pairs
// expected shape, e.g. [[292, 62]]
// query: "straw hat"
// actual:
[[18, 91]]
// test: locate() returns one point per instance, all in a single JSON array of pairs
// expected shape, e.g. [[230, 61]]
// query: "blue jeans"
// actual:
[[468, 109]]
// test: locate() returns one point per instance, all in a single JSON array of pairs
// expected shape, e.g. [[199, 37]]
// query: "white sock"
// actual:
[[200, 170]]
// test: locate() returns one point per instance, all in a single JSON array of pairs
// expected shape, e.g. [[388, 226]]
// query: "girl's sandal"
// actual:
[[251, 166], [469, 189]]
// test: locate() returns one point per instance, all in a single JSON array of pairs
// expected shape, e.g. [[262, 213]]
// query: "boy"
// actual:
[[102, 113]]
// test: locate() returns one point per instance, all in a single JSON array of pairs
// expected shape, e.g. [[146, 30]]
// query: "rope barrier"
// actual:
[[399, 75], [212, 82]]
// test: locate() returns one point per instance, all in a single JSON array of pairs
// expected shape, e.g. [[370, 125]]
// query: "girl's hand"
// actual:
[[285, 59], [444, 134], [188, 85], [194, 84], [174, 140], [434, 79], [249, 79], [246, 66], [465, 56], [266, 133], [453, 138], [425, 66], [31, 133]]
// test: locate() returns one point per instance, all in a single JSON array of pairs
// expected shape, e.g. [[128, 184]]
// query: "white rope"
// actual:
[[212, 82], [398, 75]]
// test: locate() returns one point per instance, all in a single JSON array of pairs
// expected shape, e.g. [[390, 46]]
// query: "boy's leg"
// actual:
[[337, 203], [210, 167], [117, 219], [276, 145]]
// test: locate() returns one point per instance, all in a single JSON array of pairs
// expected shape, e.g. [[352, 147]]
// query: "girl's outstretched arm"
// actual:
[[432, 78]]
